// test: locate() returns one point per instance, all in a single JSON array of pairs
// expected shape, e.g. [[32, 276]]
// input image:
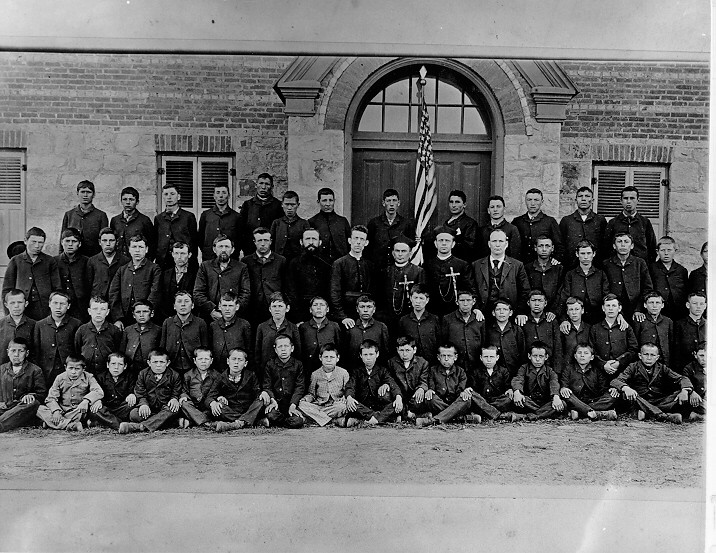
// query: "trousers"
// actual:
[[17, 415], [323, 414], [229, 414], [155, 421]]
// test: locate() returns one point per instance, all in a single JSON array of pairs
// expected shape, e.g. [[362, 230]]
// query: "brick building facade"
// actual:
[[114, 118]]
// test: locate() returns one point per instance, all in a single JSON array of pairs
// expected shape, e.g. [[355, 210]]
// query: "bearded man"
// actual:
[[309, 275]]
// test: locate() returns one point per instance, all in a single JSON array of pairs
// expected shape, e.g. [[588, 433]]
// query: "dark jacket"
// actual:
[[697, 280], [590, 288], [629, 281], [490, 387], [89, 223], [225, 336], [157, 393], [169, 287], [313, 337], [36, 280], [51, 344], [514, 284], [286, 236], [640, 229], [211, 283], [588, 384], [212, 223], [29, 380], [671, 284], [240, 395], [570, 342], [257, 213], [100, 273], [613, 343], [440, 285], [196, 389], [466, 229], [266, 333], [574, 230], [75, 281], [448, 385], [350, 278], [510, 343], [308, 275], [687, 336], [425, 331], [373, 330], [393, 290], [411, 378], [662, 381], [659, 332], [137, 343], [131, 284], [363, 387], [334, 231], [697, 375], [265, 279], [548, 279], [381, 234], [179, 227], [514, 242], [115, 393], [96, 345], [180, 340], [468, 337], [9, 331], [137, 223], [284, 382], [547, 332], [539, 384], [531, 229]]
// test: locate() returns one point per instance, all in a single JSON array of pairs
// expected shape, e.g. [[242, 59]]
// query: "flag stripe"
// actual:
[[425, 189]]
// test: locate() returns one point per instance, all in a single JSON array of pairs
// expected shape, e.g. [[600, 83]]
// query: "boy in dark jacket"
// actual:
[[141, 338], [183, 333], [283, 385], [117, 383], [229, 332], [98, 338], [696, 372], [54, 337], [22, 387], [410, 373], [197, 383]]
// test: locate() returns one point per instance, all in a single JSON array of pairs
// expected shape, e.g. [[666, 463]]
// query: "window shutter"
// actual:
[[649, 184], [11, 178], [180, 173], [610, 182], [12, 201], [211, 173]]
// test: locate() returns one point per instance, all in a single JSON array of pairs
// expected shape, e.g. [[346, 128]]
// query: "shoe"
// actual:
[[674, 418], [505, 416], [44, 425], [641, 415], [516, 417], [263, 421], [340, 422], [696, 417], [420, 422], [531, 417], [351, 422], [610, 415], [473, 418], [76, 427], [573, 415], [128, 427]]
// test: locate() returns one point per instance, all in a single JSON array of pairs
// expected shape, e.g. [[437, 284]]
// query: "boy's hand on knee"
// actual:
[[565, 393], [29, 398], [173, 405], [466, 394], [629, 393], [614, 392], [57, 417], [429, 395], [263, 396], [398, 404], [131, 400], [419, 395], [383, 390], [557, 403], [83, 406], [96, 406], [695, 399], [518, 398], [215, 408], [145, 411], [271, 406], [294, 412], [351, 404], [683, 396]]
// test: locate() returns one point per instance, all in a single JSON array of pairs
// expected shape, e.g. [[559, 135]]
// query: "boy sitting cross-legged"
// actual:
[[70, 397], [446, 382], [197, 384], [234, 397], [696, 372], [585, 387], [284, 385], [157, 390], [117, 383], [371, 393], [535, 389], [22, 387], [410, 373], [325, 399]]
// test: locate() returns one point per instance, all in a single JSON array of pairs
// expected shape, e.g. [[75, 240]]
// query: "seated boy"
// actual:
[[117, 383], [655, 327], [141, 338], [420, 324], [446, 382], [268, 330], [70, 397], [197, 384], [234, 396], [96, 339], [183, 333], [535, 388], [157, 391], [656, 390], [16, 324], [696, 372], [229, 332], [371, 393], [462, 328], [325, 398], [284, 385], [507, 336], [585, 387], [410, 373], [22, 387], [365, 328]]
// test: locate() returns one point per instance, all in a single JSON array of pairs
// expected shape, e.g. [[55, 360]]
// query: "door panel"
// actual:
[[375, 170]]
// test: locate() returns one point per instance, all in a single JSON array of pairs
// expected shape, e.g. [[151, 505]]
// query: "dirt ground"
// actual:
[[623, 453]]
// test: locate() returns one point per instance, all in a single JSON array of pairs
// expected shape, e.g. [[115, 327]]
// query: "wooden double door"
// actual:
[[375, 170]]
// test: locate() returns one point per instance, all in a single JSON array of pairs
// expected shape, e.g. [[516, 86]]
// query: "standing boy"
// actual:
[[669, 278], [268, 330], [536, 223], [259, 211], [690, 331], [230, 332], [96, 339], [614, 347], [462, 329], [334, 229], [22, 387], [73, 273], [421, 325], [583, 224], [351, 277], [315, 333], [546, 275], [656, 328], [508, 337], [634, 224], [287, 231], [140, 338], [102, 266], [220, 219], [267, 274], [586, 283], [87, 219], [16, 324], [698, 277], [182, 334], [54, 337], [538, 328], [174, 224], [465, 227], [130, 222], [283, 385], [365, 328], [573, 331], [385, 228], [180, 276], [628, 276], [496, 211]]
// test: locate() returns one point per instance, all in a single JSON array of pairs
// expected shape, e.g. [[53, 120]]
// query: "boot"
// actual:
[[128, 427], [674, 418], [516, 417], [610, 415], [420, 422], [696, 417], [473, 418], [222, 426]]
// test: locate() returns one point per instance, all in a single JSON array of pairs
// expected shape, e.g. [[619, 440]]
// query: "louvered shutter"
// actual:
[[181, 172], [12, 201], [212, 171], [652, 194]]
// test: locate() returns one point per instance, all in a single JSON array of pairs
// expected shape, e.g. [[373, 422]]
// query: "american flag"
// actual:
[[425, 185]]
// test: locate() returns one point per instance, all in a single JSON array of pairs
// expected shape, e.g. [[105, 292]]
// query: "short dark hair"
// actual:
[[620, 234], [701, 346], [543, 237], [261, 230], [290, 195], [145, 303], [240, 350], [697, 293], [584, 345], [503, 301], [228, 296], [585, 244], [364, 298], [179, 245], [138, 238], [405, 341], [85, 184], [650, 344], [35, 231], [419, 289], [359, 228], [490, 346], [536, 292], [368, 344], [169, 185], [629, 189], [468, 292], [535, 191], [130, 190], [459, 193], [183, 293], [326, 192], [653, 294], [496, 198], [321, 298], [75, 358], [60, 293], [330, 346], [117, 355], [19, 341], [283, 336], [222, 185], [584, 189], [202, 348], [265, 176], [703, 247], [538, 344], [71, 232], [387, 193], [571, 300], [107, 230], [611, 297], [277, 296], [14, 292], [158, 352], [447, 345], [221, 238], [98, 299]]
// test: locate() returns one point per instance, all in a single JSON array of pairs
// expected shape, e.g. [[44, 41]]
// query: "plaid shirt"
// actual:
[[327, 388]]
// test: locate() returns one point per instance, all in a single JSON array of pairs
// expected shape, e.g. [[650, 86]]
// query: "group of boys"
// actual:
[[581, 321]]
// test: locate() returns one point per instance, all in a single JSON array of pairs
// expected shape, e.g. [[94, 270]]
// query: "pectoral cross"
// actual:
[[452, 275], [403, 295], [405, 283]]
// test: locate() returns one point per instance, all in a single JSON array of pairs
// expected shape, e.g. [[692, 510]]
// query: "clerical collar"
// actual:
[[401, 265], [444, 257], [355, 256]]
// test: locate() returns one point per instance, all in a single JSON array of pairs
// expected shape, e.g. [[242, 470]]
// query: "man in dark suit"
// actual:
[[498, 276], [259, 211], [181, 276]]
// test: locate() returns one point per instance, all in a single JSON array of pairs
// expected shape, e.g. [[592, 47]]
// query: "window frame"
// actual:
[[15, 228]]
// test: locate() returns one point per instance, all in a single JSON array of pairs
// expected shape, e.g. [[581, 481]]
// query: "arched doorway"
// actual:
[[383, 121]]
